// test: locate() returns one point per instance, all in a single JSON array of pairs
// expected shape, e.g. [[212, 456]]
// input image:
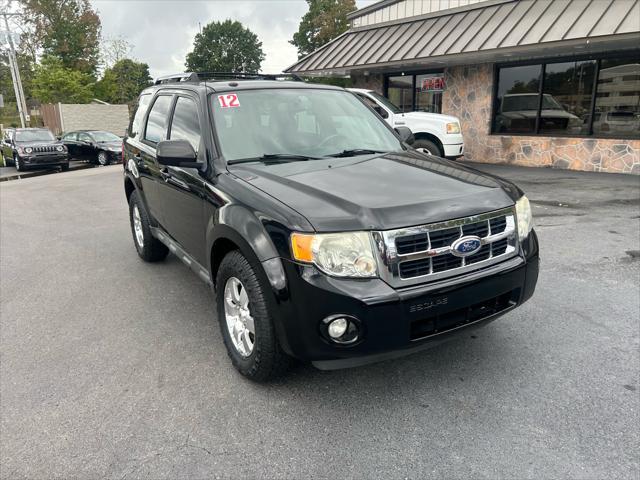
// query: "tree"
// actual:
[[114, 49], [325, 20], [225, 47], [123, 82], [53, 82], [66, 29]]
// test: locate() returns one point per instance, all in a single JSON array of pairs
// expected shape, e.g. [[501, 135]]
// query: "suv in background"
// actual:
[[435, 133], [326, 236], [34, 147]]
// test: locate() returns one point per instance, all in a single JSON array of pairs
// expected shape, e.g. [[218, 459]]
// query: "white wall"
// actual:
[[408, 8]]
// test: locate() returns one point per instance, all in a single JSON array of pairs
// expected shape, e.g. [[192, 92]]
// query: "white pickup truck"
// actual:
[[435, 133]]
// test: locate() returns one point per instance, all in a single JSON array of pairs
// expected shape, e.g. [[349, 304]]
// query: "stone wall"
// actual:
[[468, 96]]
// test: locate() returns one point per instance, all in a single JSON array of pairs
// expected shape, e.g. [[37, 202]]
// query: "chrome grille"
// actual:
[[414, 255]]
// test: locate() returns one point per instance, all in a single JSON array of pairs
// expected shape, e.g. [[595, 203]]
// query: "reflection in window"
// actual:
[[185, 124], [617, 112], [157, 121], [566, 106], [517, 99], [400, 92]]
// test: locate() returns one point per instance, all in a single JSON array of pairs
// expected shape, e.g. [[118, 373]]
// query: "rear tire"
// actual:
[[428, 147], [266, 359], [149, 248]]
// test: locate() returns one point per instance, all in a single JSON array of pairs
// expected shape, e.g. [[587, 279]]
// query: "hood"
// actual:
[[39, 143], [379, 192], [431, 117]]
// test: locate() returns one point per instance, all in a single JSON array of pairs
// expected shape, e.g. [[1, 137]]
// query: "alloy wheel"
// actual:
[[240, 324], [102, 158], [137, 226]]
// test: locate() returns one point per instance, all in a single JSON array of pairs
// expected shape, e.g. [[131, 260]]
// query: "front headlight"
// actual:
[[60, 148], [524, 217], [453, 127], [339, 254], [28, 150]]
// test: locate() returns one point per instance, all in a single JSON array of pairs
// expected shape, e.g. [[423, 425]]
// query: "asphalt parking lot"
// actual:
[[113, 368]]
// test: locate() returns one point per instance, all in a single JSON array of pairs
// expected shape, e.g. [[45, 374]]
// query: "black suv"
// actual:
[[326, 237], [34, 147]]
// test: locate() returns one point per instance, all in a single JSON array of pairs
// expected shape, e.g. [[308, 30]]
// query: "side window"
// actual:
[[156, 130], [72, 137], [141, 109], [185, 124], [84, 137]]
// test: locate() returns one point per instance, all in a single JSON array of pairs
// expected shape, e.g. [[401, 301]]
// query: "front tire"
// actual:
[[428, 147], [246, 324], [103, 159], [18, 163], [65, 167], [149, 248]]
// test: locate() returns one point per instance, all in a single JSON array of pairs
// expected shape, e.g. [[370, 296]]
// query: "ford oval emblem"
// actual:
[[466, 246]]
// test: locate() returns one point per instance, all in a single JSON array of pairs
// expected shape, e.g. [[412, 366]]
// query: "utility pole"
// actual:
[[15, 74]]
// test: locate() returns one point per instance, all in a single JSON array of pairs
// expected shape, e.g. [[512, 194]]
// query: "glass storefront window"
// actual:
[[566, 105], [400, 92], [617, 111], [573, 101], [517, 99], [429, 88]]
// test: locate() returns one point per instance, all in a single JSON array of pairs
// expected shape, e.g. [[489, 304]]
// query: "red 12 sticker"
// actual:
[[230, 100]]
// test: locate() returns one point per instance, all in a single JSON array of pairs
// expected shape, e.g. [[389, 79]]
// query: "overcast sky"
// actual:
[[162, 31]]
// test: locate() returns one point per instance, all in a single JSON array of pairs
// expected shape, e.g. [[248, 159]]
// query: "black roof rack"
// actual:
[[213, 76]]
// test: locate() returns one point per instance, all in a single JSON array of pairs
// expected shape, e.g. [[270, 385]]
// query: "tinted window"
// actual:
[[156, 130], [185, 124], [400, 92], [618, 98], [517, 99], [84, 137], [71, 136], [143, 103], [566, 105]]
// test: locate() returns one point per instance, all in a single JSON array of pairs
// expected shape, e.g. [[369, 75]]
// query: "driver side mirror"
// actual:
[[406, 135], [176, 153]]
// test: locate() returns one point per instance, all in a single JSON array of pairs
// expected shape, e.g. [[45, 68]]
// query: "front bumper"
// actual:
[[453, 150], [48, 160], [396, 322]]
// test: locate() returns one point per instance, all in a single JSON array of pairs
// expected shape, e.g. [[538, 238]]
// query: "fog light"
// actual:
[[338, 327], [341, 329]]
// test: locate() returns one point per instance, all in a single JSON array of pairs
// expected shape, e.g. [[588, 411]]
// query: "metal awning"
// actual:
[[479, 33]]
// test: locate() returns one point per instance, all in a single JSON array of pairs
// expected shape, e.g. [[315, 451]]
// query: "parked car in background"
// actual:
[[34, 147], [517, 113], [95, 146], [435, 133]]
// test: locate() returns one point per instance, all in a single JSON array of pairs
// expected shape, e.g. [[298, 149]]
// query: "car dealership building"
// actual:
[[534, 82]]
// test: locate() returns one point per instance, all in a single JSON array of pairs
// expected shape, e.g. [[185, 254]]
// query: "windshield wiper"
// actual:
[[274, 157], [355, 151]]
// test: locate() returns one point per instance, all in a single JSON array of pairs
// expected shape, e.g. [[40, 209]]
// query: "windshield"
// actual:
[[301, 122], [34, 136], [386, 102], [519, 103], [105, 137]]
